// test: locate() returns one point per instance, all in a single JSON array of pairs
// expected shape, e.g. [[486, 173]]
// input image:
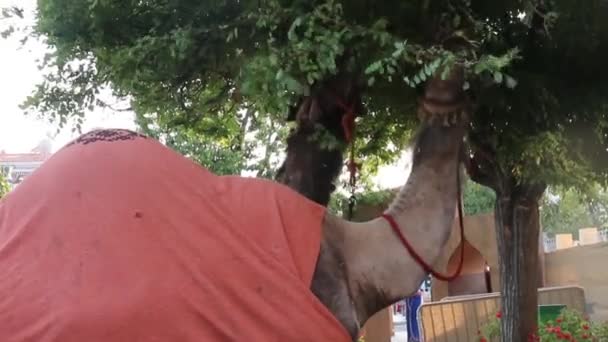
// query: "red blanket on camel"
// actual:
[[118, 238]]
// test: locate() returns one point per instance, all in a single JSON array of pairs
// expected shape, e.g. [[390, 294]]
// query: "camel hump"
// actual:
[[118, 238]]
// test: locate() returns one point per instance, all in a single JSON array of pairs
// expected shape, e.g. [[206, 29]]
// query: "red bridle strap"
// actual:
[[348, 120], [427, 268], [348, 125]]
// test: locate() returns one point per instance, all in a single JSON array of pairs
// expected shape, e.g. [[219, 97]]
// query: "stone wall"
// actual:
[[583, 266], [480, 234]]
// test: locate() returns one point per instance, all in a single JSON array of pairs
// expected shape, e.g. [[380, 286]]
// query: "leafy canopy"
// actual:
[[551, 128], [196, 66], [562, 210], [477, 199], [199, 65], [566, 210]]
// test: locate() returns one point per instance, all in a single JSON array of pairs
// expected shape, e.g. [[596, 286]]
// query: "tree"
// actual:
[[565, 214], [225, 156], [530, 67], [597, 206], [566, 210], [562, 210], [548, 130], [478, 199], [275, 55], [4, 186]]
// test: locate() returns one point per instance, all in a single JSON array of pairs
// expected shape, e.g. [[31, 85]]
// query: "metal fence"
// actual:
[[457, 319]]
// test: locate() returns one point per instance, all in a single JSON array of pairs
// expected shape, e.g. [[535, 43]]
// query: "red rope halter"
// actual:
[[348, 125], [427, 268]]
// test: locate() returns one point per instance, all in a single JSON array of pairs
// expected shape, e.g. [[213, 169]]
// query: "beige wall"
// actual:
[[480, 234], [474, 261], [564, 241], [584, 266], [588, 236]]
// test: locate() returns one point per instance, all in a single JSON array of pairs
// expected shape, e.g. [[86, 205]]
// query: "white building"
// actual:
[[16, 166]]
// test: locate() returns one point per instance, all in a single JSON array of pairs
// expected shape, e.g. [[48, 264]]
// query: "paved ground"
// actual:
[[400, 329], [400, 332]]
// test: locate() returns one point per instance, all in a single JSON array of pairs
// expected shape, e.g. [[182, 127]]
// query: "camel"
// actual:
[[363, 267], [118, 238]]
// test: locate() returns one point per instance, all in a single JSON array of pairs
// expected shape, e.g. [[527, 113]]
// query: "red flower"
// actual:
[[585, 327], [498, 314], [558, 320], [585, 336], [483, 339]]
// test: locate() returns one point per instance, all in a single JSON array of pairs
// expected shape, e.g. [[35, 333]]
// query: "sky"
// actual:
[[19, 75]]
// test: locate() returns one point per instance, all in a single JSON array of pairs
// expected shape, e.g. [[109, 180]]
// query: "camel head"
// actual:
[[444, 101], [444, 111]]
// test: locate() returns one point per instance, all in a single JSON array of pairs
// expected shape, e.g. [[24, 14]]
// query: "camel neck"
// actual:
[[381, 269]]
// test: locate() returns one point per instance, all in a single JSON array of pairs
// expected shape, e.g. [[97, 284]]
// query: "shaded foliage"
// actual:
[[566, 210], [4, 186], [188, 61], [478, 199]]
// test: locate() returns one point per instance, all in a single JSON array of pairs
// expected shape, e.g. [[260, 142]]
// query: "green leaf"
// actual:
[[510, 82], [374, 67], [291, 34], [456, 21], [498, 77], [428, 71], [274, 59], [371, 81]]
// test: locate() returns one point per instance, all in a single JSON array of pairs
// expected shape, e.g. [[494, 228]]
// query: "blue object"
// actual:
[[411, 306]]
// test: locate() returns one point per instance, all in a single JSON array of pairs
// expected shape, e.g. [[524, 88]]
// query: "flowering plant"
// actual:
[[569, 326]]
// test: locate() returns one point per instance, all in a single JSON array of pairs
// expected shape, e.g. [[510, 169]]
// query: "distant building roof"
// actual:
[[40, 153], [22, 157]]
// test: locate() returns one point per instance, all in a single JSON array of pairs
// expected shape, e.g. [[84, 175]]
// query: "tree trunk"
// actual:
[[518, 228], [312, 165], [309, 168]]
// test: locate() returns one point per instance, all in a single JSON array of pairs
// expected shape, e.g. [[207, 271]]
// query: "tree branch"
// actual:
[[483, 167], [105, 104]]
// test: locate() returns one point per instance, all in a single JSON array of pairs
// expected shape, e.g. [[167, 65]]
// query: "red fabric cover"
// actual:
[[129, 241]]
